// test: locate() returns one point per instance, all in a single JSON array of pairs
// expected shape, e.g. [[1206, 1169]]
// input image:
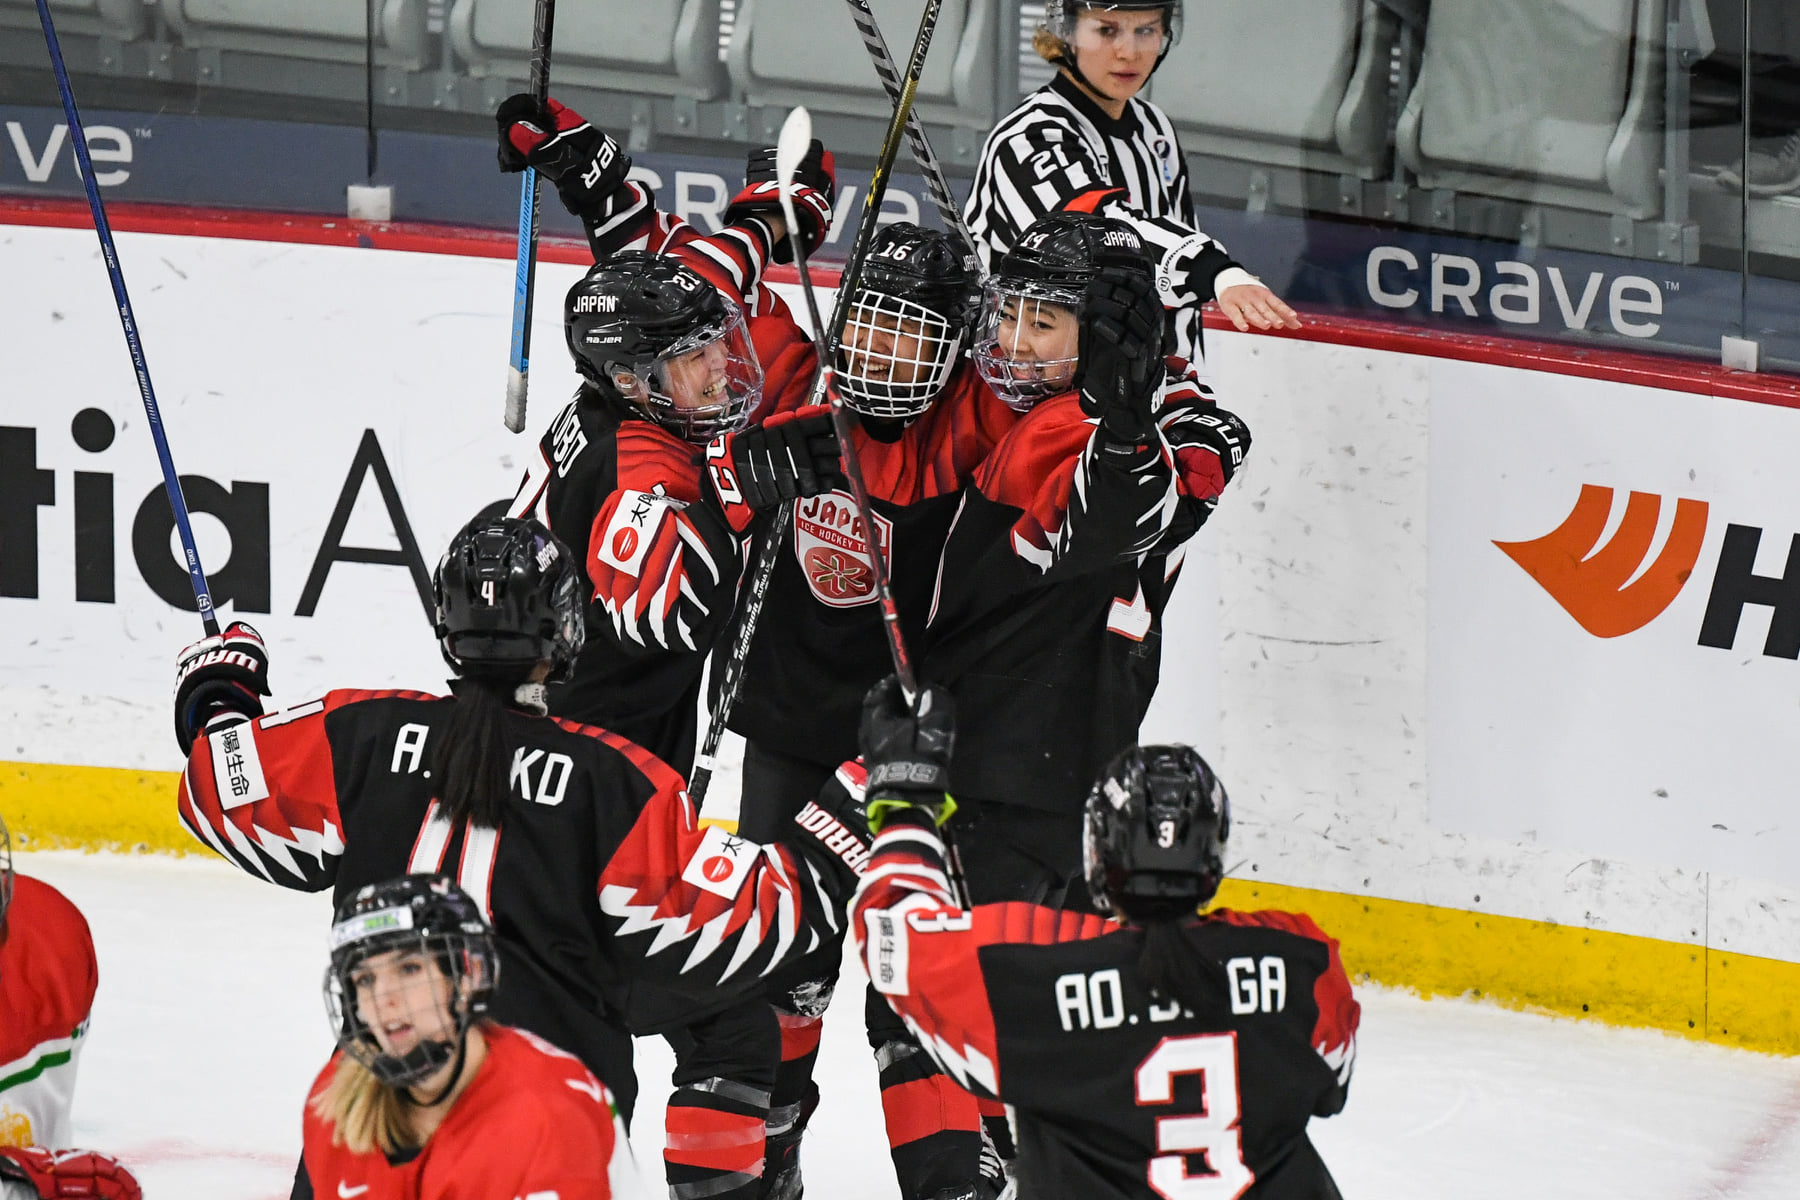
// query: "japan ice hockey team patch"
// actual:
[[834, 551], [237, 767], [627, 537], [722, 863]]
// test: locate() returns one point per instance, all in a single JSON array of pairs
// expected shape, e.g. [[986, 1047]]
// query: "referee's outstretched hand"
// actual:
[[1253, 306]]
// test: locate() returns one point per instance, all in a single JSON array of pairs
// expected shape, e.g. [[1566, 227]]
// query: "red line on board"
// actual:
[[1618, 366]]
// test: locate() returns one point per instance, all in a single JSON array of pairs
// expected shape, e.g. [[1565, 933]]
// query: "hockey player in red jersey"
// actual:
[[427, 1099], [1147, 1052], [584, 847], [48, 977]]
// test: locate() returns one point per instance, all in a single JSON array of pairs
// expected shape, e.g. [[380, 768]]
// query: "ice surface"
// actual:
[[209, 1027]]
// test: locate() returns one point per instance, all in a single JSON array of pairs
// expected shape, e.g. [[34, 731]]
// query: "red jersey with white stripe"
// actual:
[[1116, 1091], [48, 976], [819, 646], [534, 1124], [1047, 617], [599, 879]]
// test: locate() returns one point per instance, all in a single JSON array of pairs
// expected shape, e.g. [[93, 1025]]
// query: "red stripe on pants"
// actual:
[[921, 1107]]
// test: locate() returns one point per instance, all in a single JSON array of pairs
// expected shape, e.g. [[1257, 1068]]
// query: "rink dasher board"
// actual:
[[1322, 646]]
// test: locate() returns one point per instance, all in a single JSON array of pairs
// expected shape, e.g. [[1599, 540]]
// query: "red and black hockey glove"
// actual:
[[790, 456], [907, 751], [1120, 375], [584, 163], [815, 191], [66, 1174], [1210, 444], [224, 674]]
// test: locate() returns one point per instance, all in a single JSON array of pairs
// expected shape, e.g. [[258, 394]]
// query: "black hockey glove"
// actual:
[[1120, 375], [907, 751], [791, 456], [224, 674], [585, 164], [815, 192]]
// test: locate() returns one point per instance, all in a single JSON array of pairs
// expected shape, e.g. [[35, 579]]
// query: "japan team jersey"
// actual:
[[1118, 1092], [47, 981], [819, 646], [533, 1124]]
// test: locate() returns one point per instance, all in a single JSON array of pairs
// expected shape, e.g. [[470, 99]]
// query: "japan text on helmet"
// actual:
[[915, 305], [1056, 30], [423, 915], [1157, 821], [1049, 269], [648, 329], [508, 597]]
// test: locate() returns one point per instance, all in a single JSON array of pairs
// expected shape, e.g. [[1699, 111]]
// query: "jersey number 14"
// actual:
[[1213, 1132]]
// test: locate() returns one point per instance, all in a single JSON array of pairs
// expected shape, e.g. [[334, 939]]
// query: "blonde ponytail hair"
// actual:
[[364, 1113], [1049, 47]]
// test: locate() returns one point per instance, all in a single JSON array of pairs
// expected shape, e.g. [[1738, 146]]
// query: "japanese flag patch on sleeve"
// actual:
[[721, 863], [627, 537]]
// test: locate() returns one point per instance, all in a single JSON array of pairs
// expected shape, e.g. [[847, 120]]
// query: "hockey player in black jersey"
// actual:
[[583, 847], [1147, 1053], [671, 377], [924, 422], [1047, 615]]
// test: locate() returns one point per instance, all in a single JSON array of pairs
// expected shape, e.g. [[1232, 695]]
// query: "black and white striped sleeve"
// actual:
[[1031, 166]]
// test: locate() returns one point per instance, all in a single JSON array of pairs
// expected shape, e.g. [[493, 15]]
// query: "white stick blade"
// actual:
[[515, 398], [791, 146]]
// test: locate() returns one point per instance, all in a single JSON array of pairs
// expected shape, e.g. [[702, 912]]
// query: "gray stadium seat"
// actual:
[[1546, 101], [788, 52], [121, 19], [654, 47], [319, 30], [1329, 111]]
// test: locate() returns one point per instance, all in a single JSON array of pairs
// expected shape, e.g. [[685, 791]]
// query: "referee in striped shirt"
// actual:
[[1085, 141]]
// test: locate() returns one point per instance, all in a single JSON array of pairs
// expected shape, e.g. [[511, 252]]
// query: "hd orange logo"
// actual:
[[1607, 588]]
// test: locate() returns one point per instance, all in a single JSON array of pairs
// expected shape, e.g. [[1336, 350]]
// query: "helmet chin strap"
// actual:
[[462, 1053]]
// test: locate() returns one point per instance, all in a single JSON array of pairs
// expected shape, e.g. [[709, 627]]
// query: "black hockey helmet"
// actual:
[[508, 597], [1157, 820], [1060, 16], [915, 307], [424, 915], [1052, 265], [652, 331]]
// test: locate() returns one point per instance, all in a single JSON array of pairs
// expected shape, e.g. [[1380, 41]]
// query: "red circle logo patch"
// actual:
[[624, 543], [717, 869]]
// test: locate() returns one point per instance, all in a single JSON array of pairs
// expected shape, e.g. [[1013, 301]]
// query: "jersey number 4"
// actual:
[[1213, 1132]]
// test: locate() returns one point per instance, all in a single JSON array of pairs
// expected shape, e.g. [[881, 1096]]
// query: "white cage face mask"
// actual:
[[896, 356], [1027, 345]]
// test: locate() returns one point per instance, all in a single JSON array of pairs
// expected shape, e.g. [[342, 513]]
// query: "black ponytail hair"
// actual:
[[1170, 965], [471, 760]]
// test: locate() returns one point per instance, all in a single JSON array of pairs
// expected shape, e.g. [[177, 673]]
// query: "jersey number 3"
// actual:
[[1214, 1132]]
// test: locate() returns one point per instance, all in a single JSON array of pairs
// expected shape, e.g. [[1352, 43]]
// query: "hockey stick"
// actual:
[[518, 375], [796, 136], [757, 587], [941, 196], [171, 481]]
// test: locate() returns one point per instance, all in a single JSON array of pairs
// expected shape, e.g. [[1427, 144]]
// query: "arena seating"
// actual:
[[646, 47], [1546, 101], [1331, 111], [829, 69]]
